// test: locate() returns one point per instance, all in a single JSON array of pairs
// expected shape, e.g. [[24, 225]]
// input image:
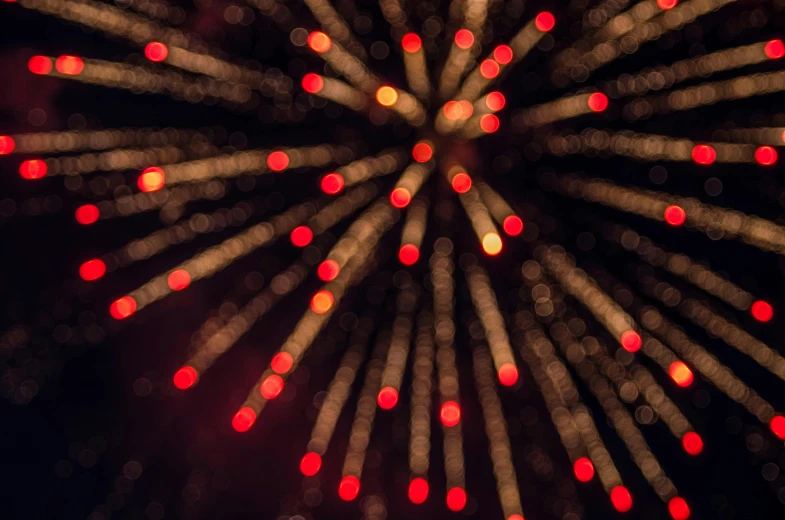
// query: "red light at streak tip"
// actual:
[[312, 83], [271, 387], [33, 169], [503, 54], [319, 42], [243, 419], [456, 499], [489, 69], [277, 161], [450, 414], [461, 182], [310, 464], [464, 38], [7, 144], [185, 378], [281, 363], [489, 123], [777, 425], [92, 270], [122, 308], [69, 65], [762, 311], [179, 280], [400, 197], [495, 101], [411, 43], [584, 469], [621, 499], [598, 102], [151, 179], [667, 4], [681, 374], [332, 183], [301, 236], [775, 49], [508, 374], [766, 155], [692, 443], [349, 488], [387, 398], [418, 490], [322, 301], [40, 65], [678, 508], [630, 340], [328, 270], [409, 254], [545, 21], [87, 214], [515, 517], [675, 215], [422, 152], [513, 225], [704, 154], [156, 51]]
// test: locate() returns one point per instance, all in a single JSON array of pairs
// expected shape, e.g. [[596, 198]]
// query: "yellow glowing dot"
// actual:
[[492, 244], [386, 96]]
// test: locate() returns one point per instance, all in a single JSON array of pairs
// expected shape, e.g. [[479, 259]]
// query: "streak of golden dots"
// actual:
[[76, 140], [559, 110], [398, 352], [341, 208], [335, 26], [416, 222], [416, 68], [772, 136], [122, 159], [347, 65], [386, 162], [421, 400], [481, 221], [168, 200], [337, 91], [499, 208]]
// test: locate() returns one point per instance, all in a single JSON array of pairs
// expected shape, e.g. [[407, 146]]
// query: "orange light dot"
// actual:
[[631, 341], [281, 363], [667, 4], [411, 42], [464, 38], [92, 270], [185, 378], [328, 270], [322, 301], [400, 197], [418, 490], [33, 169], [456, 499], [675, 215], [332, 183], [489, 123], [678, 508], [310, 464], [495, 101], [409, 254], [762, 311], [621, 499], [467, 109], [319, 42], [301, 236], [489, 69], [271, 387], [704, 154], [584, 469], [40, 65], [545, 21], [69, 65], [515, 517], [453, 110], [681, 374], [87, 214], [244, 419], [151, 179], [508, 374], [513, 225], [450, 413], [461, 182], [122, 307], [7, 144], [777, 425], [156, 51], [692, 443], [277, 161], [775, 49], [386, 96], [387, 398], [766, 155], [492, 244], [179, 280], [422, 152], [349, 488], [597, 102], [503, 54], [312, 83]]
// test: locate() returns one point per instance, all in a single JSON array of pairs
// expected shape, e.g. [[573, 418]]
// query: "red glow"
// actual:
[[152, 179], [33, 169], [513, 225], [243, 419], [40, 65], [310, 464], [777, 425], [156, 51], [621, 498], [281, 363], [87, 214], [69, 65], [453, 110], [422, 152], [312, 83], [598, 102], [692, 443], [545, 21], [456, 499], [678, 508], [332, 183], [489, 123], [271, 387], [467, 109], [387, 398], [409, 254], [495, 101], [461, 182], [775, 49], [349, 488], [277, 161], [762, 311], [7, 144], [631, 341], [681, 374], [179, 280], [122, 307], [319, 42], [418, 490], [766, 155], [411, 42], [450, 414], [584, 469], [675, 215], [301, 236], [322, 301], [704, 154], [508, 374], [489, 69], [492, 244], [92, 270], [515, 517], [328, 270], [464, 38], [185, 378], [400, 197], [503, 54], [667, 4]]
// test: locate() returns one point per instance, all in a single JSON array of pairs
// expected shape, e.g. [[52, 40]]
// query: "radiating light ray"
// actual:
[[413, 230], [335, 26], [561, 109], [393, 12], [623, 23], [398, 351], [499, 209], [341, 208], [762, 136], [409, 183], [210, 66], [414, 62], [335, 90], [604, 11], [402, 103], [171, 200], [481, 222], [421, 402], [388, 161], [344, 63]]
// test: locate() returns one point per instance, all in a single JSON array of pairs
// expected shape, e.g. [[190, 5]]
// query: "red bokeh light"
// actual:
[[418, 490], [766, 155], [464, 38], [775, 49], [777, 425], [69, 65], [277, 161], [301, 236], [621, 499], [92, 270], [450, 413], [7, 144], [456, 499], [489, 123], [328, 270], [545, 21], [400, 197], [704, 154], [312, 83], [122, 307], [489, 69], [461, 182], [692, 443], [411, 42], [422, 152], [33, 169], [349, 488], [41, 65], [675, 215], [87, 214], [179, 280], [281, 363], [185, 378], [332, 183], [244, 419], [584, 469], [322, 301], [453, 110], [678, 508], [515, 517], [667, 4], [495, 101], [503, 54], [762, 311], [508, 374], [319, 42], [513, 225], [387, 398], [156, 51], [409, 254], [271, 387], [597, 102], [681, 374], [151, 179], [630, 340], [310, 464]]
